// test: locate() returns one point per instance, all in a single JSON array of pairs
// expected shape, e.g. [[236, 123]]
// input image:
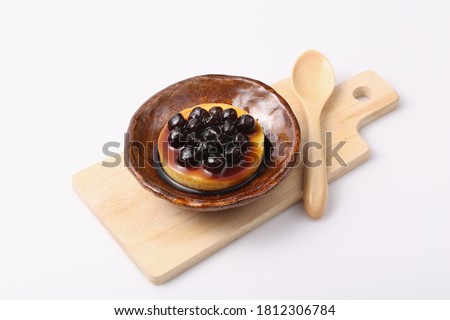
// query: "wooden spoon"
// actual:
[[313, 80]]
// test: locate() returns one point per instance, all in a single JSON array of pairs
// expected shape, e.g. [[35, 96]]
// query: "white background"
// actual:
[[72, 74]]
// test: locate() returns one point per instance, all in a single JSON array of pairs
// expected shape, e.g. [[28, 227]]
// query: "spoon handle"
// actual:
[[315, 187]]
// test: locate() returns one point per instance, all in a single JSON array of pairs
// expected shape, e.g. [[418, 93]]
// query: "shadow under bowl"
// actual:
[[261, 101]]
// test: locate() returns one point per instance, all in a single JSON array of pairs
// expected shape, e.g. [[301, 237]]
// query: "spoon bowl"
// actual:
[[313, 79]]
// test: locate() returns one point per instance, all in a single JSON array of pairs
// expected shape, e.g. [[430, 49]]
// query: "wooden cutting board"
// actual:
[[164, 240]]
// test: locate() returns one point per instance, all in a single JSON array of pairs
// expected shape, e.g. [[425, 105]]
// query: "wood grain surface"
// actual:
[[164, 240]]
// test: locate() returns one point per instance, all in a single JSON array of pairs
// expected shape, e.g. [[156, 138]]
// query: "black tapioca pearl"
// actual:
[[241, 140], [200, 150], [246, 124], [193, 138], [214, 163], [195, 125], [213, 147], [223, 138], [228, 127], [230, 114], [212, 120], [216, 110], [187, 157], [198, 112], [177, 121], [233, 153], [210, 133], [177, 137], [205, 148]]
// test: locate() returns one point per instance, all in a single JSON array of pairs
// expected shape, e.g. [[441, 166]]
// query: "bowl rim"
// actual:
[[226, 202]]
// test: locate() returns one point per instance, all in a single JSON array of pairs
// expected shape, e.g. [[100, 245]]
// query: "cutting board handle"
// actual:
[[368, 94]]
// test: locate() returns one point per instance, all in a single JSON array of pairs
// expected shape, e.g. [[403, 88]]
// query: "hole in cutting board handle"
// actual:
[[362, 93]]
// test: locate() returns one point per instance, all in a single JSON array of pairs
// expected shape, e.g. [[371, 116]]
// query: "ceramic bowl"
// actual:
[[261, 101]]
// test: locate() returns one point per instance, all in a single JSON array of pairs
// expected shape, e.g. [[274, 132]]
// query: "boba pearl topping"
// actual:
[[211, 147], [216, 139]]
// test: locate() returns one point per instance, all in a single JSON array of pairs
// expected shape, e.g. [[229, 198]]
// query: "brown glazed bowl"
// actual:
[[268, 107]]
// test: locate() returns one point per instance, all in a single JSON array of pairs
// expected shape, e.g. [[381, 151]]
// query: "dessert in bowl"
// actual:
[[211, 147], [212, 142]]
